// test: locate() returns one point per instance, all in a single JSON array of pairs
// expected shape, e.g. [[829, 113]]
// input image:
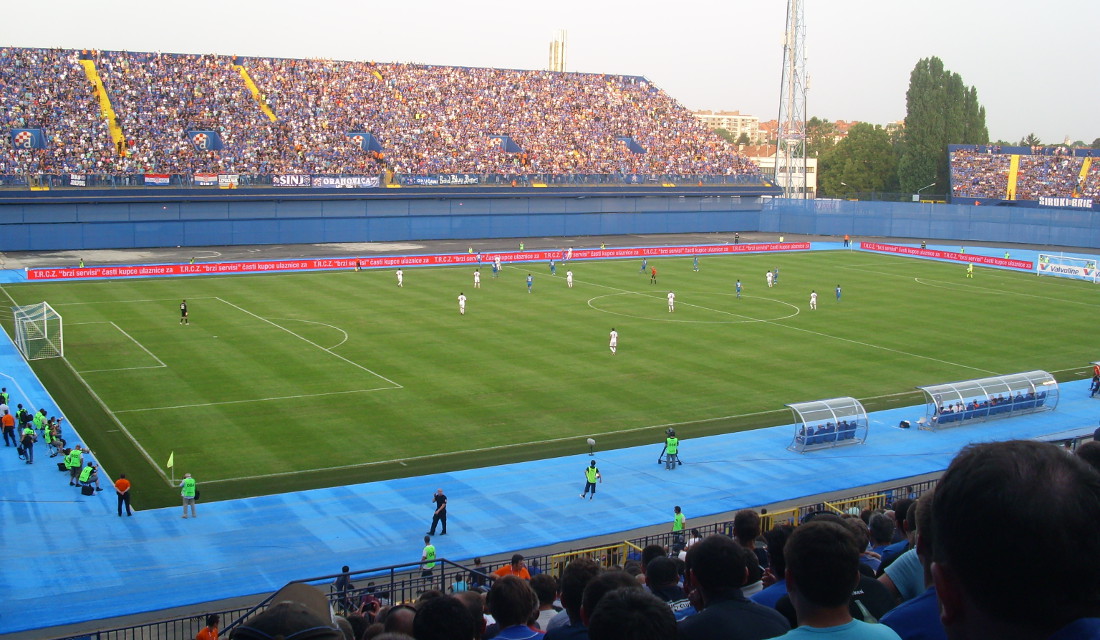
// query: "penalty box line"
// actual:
[[271, 399], [327, 350]]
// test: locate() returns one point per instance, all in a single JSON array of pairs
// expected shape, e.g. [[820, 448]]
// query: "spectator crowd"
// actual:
[[427, 119], [1003, 547], [983, 172]]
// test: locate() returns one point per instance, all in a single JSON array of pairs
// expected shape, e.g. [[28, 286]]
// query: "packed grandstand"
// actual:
[[1024, 173], [288, 116]]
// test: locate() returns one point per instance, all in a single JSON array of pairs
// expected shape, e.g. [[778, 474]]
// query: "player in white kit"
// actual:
[[477, 278], [813, 301], [462, 304], [614, 340], [400, 278], [671, 302], [569, 279]]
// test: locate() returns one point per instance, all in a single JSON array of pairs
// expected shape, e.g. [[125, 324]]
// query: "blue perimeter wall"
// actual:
[[114, 225], [234, 221], [927, 221]]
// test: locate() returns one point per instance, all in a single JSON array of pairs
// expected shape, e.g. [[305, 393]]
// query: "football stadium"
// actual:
[[331, 305]]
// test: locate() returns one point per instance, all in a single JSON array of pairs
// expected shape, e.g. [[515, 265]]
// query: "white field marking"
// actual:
[[308, 341], [688, 304], [825, 335], [159, 365], [73, 304], [323, 325], [403, 461], [954, 286], [958, 286], [107, 410], [273, 398]]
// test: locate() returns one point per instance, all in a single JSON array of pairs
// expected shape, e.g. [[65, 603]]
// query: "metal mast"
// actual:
[[790, 152]]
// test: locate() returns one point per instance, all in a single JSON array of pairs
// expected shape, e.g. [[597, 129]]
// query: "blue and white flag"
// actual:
[[28, 138]]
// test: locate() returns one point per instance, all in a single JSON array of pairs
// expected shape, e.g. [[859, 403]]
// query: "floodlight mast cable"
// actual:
[[790, 144]]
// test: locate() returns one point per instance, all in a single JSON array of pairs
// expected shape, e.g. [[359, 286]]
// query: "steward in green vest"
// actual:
[[73, 461], [672, 449], [591, 475], [428, 557]]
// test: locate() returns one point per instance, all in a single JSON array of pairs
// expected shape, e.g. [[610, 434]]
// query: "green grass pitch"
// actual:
[[294, 381]]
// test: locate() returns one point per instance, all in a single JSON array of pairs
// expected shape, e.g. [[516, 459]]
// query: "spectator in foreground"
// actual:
[[443, 618], [1090, 453], [822, 570], [718, 567], [776, 538], [919, 618], [664, 582], [299, 611], [546, 588], [512, 603], [1007, 586], [602, 585], [474, 601], [629, 613], [576, 576]]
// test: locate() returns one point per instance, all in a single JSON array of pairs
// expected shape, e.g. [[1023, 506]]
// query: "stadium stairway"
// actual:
[[1013, 174], [255, 91], [75, 550], [105, 108], [1082, 178]]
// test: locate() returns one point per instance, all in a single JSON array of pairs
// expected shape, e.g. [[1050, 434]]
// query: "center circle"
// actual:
[[651, 307]]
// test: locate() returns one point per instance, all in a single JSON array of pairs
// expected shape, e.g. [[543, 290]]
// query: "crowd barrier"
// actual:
[[155, 181], [403, 583]]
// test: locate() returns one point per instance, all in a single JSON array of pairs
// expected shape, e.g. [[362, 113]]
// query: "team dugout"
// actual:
[[955, 403], [823, 424]]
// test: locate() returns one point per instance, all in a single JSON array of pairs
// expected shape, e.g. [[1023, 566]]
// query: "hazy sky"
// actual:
[[1032, 64]]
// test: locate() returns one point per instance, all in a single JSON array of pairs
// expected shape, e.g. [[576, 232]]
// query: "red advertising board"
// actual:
[[269, 266], [947, 255]]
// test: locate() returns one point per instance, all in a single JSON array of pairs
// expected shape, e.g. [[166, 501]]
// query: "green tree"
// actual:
[[940, 110], [1096, 143], [820, 137], [1031, 140], [862, 162], [743, 138], [725, 135]]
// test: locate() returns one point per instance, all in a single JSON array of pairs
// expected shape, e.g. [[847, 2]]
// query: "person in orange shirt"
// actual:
[[8, 422], [517, 568], [210, 631], [122, 489]]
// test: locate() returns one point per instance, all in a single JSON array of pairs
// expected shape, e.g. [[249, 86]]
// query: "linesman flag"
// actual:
[[171, 459]]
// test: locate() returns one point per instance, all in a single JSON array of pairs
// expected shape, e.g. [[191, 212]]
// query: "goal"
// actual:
[[1068, 267], [38, 331]]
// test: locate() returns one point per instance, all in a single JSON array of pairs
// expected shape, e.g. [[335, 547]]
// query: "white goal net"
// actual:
[[1068, 267], [38, 331]]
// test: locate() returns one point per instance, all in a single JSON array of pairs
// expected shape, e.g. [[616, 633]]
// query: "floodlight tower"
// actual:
[[790, 146], [557, 51]]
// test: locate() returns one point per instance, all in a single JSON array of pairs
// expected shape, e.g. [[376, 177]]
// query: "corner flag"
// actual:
[[171, 459]]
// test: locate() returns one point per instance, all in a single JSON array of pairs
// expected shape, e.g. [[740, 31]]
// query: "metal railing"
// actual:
[[403, 583], [77, 181]]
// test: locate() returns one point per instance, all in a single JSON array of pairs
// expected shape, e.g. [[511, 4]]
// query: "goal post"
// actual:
[[38, 331], [1068, 267]]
